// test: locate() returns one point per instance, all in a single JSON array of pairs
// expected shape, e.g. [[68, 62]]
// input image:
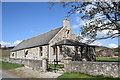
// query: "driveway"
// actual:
[[7, 74], [29, 73]]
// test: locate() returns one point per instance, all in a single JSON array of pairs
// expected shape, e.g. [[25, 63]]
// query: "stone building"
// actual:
[[39, 47]]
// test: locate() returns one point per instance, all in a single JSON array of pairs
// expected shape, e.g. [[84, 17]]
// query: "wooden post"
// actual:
[[81, 51], [56, 53], [54, 66], [88, 53]]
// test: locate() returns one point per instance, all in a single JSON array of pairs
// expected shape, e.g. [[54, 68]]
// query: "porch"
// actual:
[[77, 51]]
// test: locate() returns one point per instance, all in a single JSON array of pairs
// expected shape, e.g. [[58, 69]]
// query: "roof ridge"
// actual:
[[44, 33]]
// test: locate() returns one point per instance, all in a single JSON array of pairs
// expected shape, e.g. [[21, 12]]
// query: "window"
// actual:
[[76, 49], [68, 31], [41, 53], [53, 50], [60, 49], [13, 54], [26, 53]]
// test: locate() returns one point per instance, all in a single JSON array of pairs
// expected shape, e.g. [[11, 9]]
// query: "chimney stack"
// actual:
[[66, 22]]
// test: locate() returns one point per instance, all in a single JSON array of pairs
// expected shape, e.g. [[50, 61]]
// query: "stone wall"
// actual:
[[94, 68], [33, 64], [33, 53]]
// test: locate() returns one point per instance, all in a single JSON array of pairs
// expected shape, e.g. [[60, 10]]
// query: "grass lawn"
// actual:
[[51, 67], [82, 75], [107, 59], [6, 65]]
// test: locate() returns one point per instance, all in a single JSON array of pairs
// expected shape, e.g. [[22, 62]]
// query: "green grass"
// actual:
[[6, 65], [82, 75], [75, 75], [51, 67], [107, 59], [117, 53]]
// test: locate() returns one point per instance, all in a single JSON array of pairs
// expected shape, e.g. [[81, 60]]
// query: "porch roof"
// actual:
[[71, 43]]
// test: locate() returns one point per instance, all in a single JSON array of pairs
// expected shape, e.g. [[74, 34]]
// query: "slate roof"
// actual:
[[42, 39]]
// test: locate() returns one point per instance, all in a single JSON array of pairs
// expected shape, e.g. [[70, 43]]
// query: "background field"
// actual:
[[4, 53]]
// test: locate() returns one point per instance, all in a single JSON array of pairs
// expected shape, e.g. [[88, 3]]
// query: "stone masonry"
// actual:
[[94, 68], [40, 65]]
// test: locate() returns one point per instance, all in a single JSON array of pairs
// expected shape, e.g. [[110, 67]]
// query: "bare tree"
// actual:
[[101, 15]]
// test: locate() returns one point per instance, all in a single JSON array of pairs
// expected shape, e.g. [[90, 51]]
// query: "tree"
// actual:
[[100, 16]]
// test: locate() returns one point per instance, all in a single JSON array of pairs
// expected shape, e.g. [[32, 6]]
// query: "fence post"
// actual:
[[67, 61], [44, 64]]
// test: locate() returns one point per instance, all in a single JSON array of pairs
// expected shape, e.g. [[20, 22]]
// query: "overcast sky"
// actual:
[[23, 20]]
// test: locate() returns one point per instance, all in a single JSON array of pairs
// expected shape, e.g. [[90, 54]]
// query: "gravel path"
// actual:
[[29, 73], [7, 74]]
